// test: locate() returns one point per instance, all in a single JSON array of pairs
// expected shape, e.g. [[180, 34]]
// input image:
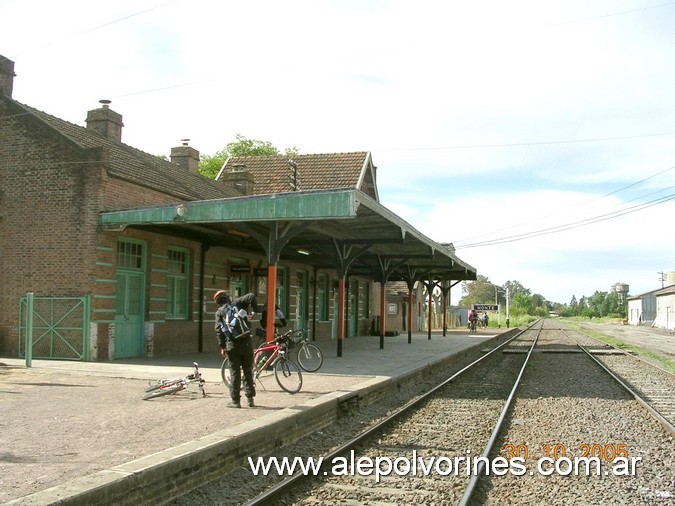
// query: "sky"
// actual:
[[538, 137]]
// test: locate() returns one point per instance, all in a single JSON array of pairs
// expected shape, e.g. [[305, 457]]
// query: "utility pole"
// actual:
[[499, 309], [507, 308], [662, 277]]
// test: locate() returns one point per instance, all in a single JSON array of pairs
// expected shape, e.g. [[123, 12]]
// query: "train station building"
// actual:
[[117, 253]]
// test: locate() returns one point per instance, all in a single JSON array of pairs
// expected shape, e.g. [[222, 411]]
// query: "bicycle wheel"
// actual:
[[154, 386], [288, 375], [164, 390], [225, 372], [310, 357]]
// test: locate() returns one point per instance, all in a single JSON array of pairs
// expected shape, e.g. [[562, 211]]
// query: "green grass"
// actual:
[[667, 364]]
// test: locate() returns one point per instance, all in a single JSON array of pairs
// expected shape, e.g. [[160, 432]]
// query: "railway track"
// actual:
[[653, 384], [509, 427]]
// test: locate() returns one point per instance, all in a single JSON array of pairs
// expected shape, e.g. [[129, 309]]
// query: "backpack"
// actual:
[[235, 323]]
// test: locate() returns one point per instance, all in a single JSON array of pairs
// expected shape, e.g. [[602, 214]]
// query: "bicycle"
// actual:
[[472, 325], [309, 356], [271, 356], [171, 386]]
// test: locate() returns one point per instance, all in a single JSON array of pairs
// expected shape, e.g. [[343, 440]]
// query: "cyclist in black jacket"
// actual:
[[240, 349]]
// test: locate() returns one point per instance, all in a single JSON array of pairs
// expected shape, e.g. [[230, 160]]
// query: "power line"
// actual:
[[134, 14], [162, 89], [536, 143], [611, 14], [586, 204], [570, 226], [103, 25]]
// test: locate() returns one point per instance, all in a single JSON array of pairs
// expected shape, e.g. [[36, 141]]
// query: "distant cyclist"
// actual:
[[473, 320]]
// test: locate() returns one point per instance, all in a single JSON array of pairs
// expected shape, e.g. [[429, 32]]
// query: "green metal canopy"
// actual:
[[340, 229]]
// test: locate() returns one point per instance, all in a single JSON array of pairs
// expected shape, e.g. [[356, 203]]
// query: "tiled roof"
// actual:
[[137, 166], [315, 172]]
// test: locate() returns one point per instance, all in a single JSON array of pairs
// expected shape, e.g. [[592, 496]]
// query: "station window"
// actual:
[[129, 254], [177, 283], [239, 274]]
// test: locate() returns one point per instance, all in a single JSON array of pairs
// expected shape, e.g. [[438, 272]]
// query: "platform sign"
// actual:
[[485, 307], [240, 268]]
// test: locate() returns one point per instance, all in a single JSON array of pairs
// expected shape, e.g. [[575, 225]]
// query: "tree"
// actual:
[[539, 306], [480, 291], [515, 288], [521, 304], [210, 165], [596, 304]]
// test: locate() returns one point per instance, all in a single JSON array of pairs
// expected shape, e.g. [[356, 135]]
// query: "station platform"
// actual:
[[397, 356], [364, 373]]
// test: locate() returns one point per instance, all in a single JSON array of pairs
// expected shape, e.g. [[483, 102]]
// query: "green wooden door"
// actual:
[[129, 315], [129, 322], [353, 306]]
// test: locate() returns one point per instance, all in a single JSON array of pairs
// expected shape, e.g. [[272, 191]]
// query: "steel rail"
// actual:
[[582, 330], [473, 481], [277, 490], [659, 417]]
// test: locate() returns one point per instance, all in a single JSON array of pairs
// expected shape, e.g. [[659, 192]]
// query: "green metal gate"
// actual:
[[60, 327]]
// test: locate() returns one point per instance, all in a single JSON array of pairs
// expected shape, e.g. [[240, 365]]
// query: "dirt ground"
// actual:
[[58, 426], [658, 341]]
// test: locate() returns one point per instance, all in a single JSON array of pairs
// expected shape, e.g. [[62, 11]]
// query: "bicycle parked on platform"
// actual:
[[171, 386], [272, 356], [309, 356]]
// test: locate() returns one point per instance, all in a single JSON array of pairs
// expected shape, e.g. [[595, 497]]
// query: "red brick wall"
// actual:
[[48, 217], [120, 194]]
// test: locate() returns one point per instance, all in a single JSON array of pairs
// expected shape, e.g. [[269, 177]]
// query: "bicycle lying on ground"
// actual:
[[272, 356], [172, 385]]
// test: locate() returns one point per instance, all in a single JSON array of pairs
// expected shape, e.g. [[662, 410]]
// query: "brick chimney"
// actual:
[[239, 178], [7, 76], [106, 122], [186, 156]]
